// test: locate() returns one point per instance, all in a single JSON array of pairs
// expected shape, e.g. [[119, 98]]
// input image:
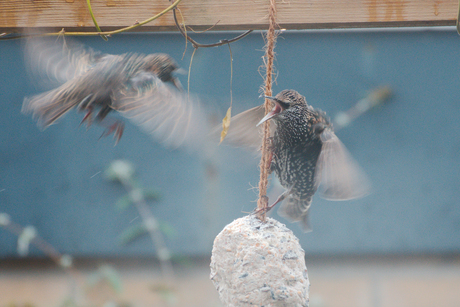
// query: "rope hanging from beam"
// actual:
[[264, 165]]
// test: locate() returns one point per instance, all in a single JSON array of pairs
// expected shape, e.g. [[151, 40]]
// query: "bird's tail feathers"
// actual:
[[296, 210], [47, 107]]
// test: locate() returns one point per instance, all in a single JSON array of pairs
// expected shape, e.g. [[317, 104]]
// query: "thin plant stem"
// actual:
[[108, 33], [151, 224], [198, 45], [88, 2]]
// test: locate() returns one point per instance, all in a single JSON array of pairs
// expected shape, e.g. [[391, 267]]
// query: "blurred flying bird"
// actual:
[[305, 154], [141, 87]]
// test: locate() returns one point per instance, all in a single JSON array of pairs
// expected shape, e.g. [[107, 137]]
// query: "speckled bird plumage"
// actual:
[[305, 154], [296, 148]]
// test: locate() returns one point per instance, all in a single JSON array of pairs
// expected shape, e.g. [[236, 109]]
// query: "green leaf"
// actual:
[[168, 230], [123, 202], [107, 274], [132, 233], [151, 194], [182, 260], [111, 276]]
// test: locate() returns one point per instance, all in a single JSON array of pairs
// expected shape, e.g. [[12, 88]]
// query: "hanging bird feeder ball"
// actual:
[[259, 264]]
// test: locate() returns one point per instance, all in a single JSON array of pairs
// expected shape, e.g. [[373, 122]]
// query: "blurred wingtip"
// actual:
[[52, 61], [171, 117], [243, 131], [305, 224], [341, 177]]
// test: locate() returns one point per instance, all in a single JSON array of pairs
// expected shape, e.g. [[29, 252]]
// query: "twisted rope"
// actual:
[[264, 165]]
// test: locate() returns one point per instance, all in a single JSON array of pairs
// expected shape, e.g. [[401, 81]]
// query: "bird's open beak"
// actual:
[[176, 81], [177, 84], [276, 110]]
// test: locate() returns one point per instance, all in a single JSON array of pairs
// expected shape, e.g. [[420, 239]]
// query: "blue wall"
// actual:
[[410, 148]]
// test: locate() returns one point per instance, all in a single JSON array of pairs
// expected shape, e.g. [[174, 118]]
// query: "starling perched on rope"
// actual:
[[141, 87], [305, 154]]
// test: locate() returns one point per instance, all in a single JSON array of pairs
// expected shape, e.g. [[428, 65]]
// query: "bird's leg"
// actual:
[[88, 117], [119, 132], [105, 109], [279, 199], [117, 127]]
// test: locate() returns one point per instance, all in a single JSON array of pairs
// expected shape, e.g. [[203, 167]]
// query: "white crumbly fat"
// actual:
[[259, 264]]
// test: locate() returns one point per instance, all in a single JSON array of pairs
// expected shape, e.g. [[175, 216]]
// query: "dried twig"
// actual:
[[198, 45]]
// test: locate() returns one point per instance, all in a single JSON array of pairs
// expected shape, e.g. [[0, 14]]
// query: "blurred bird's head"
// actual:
[[286, 101], [163, 66]]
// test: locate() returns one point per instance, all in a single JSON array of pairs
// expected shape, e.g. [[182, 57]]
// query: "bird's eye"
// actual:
[[284, 104]]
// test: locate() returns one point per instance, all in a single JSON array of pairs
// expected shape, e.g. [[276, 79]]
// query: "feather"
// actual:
[[340, 176], [243, 131], [165, 113]]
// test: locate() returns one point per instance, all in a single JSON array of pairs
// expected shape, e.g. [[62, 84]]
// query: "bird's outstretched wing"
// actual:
[[54, 61], [340, 176], [243, 131], [169, 115]]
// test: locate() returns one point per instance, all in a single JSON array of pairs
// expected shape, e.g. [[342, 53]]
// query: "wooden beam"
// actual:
[[73, 15]]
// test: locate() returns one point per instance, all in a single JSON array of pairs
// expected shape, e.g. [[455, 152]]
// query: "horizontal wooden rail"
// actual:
[[73, 15]]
